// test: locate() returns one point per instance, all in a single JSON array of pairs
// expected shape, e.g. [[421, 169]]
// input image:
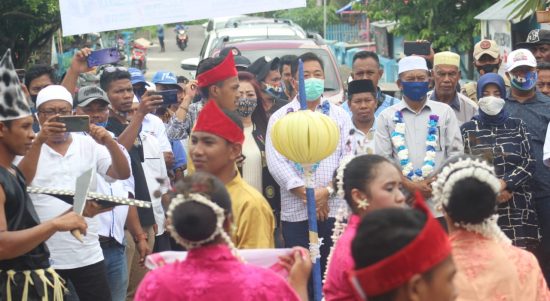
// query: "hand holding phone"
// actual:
[[75, 123], [103, 57], [169, 97]]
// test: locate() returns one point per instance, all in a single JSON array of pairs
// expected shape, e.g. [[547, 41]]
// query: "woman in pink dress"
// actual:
[[200, 218], [367, 183], [489, 266]]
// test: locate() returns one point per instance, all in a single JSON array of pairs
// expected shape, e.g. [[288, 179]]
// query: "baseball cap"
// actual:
[[241, 62], [53, 92], [137, 76], [535, 37], [262, 66], [520, 57], [165, 78], [489, 47], [88, 94]]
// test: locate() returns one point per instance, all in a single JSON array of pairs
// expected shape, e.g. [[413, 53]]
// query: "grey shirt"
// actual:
[[416, 132], [463, 107]]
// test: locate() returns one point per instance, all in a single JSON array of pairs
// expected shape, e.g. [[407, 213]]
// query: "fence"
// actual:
[[344, 32]]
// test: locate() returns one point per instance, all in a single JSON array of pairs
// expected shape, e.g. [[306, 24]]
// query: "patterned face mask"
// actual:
[[245, 106]]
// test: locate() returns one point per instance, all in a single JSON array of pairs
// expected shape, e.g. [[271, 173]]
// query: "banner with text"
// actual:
[[85, 16]]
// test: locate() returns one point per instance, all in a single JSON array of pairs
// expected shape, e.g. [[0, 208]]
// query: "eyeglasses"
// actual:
[[48, 113], [114, 68]]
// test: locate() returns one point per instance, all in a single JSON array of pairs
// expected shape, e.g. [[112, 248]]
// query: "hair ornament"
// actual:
[[340, 193], [220, 218]]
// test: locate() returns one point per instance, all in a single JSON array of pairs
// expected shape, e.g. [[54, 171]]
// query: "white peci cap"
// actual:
[[413, 62], [53, 92]]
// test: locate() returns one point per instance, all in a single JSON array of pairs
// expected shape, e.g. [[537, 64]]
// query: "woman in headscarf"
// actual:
[[505, 143]]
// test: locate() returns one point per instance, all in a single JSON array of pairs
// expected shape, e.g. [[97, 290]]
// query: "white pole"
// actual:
[[325, 19]]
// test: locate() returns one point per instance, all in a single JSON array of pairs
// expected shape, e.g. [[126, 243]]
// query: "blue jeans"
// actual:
[[117, 269], [297, 234]]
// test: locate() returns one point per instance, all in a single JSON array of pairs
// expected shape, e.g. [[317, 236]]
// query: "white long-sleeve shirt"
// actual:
[[285, 172]]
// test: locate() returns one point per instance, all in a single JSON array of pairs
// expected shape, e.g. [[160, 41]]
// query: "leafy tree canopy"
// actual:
[[27, 25], [448, 24]]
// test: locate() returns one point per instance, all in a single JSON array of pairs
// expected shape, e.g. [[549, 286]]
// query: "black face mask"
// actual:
[[429, 64], [491, 68]]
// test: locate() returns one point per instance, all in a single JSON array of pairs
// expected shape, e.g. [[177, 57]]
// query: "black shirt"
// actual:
[[141, 190], [21, 215]]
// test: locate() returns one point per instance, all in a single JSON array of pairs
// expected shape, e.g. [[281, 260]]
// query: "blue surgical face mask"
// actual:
[[526, 83], [314, 88], [102, 124], [415, 91]]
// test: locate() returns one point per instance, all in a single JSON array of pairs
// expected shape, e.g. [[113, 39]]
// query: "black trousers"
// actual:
[[90, 282]]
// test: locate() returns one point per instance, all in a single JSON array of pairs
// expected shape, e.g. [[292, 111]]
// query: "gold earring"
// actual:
[[363, 204]]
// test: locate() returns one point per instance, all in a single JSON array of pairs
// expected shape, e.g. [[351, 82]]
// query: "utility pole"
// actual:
[[324, 19]]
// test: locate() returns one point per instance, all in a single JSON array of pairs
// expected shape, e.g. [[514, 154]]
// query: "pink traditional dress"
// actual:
[[491, 270], [213, 273], [337, 286]]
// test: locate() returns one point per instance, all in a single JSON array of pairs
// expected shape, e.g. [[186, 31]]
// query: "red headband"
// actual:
[[223, 71], [214, 121], [429, 248]]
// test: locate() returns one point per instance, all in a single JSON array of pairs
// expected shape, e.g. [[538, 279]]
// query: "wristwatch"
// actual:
[[330, 191]]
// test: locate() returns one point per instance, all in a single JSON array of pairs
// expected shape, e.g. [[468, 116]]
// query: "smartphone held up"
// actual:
[[75, 123]]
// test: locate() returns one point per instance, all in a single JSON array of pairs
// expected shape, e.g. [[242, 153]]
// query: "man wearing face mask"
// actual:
[[289, 177], [487, 59], [419, 134], [533, 107], [267, 73], [93, 101]]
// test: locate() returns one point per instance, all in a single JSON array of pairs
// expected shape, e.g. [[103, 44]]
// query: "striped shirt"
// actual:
[[293, 209]]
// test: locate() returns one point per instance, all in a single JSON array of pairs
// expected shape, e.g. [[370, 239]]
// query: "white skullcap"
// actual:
[[53, 92], [413, 62]]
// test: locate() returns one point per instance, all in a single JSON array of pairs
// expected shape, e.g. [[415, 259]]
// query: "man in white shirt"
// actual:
[[293, 192], [417, 133], [55, 160], [93, 101], [362, 103]]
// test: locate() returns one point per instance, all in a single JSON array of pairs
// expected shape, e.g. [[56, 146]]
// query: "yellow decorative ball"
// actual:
[[305, 137]]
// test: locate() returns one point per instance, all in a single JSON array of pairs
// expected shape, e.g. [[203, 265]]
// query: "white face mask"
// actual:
[[491, 105]]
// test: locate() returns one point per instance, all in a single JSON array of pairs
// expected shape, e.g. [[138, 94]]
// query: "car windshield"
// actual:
[[331, 75]]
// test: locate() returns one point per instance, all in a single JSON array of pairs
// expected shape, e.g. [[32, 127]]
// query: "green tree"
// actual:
[[446, 23], [27, 25]]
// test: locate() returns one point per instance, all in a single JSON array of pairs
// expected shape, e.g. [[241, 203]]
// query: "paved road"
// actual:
[[170, 60]]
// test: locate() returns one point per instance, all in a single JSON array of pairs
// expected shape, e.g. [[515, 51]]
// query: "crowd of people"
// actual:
[[443, 194]]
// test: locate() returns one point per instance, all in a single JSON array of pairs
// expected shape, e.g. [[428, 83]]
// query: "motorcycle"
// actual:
[[181, 38], [138, 58]]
